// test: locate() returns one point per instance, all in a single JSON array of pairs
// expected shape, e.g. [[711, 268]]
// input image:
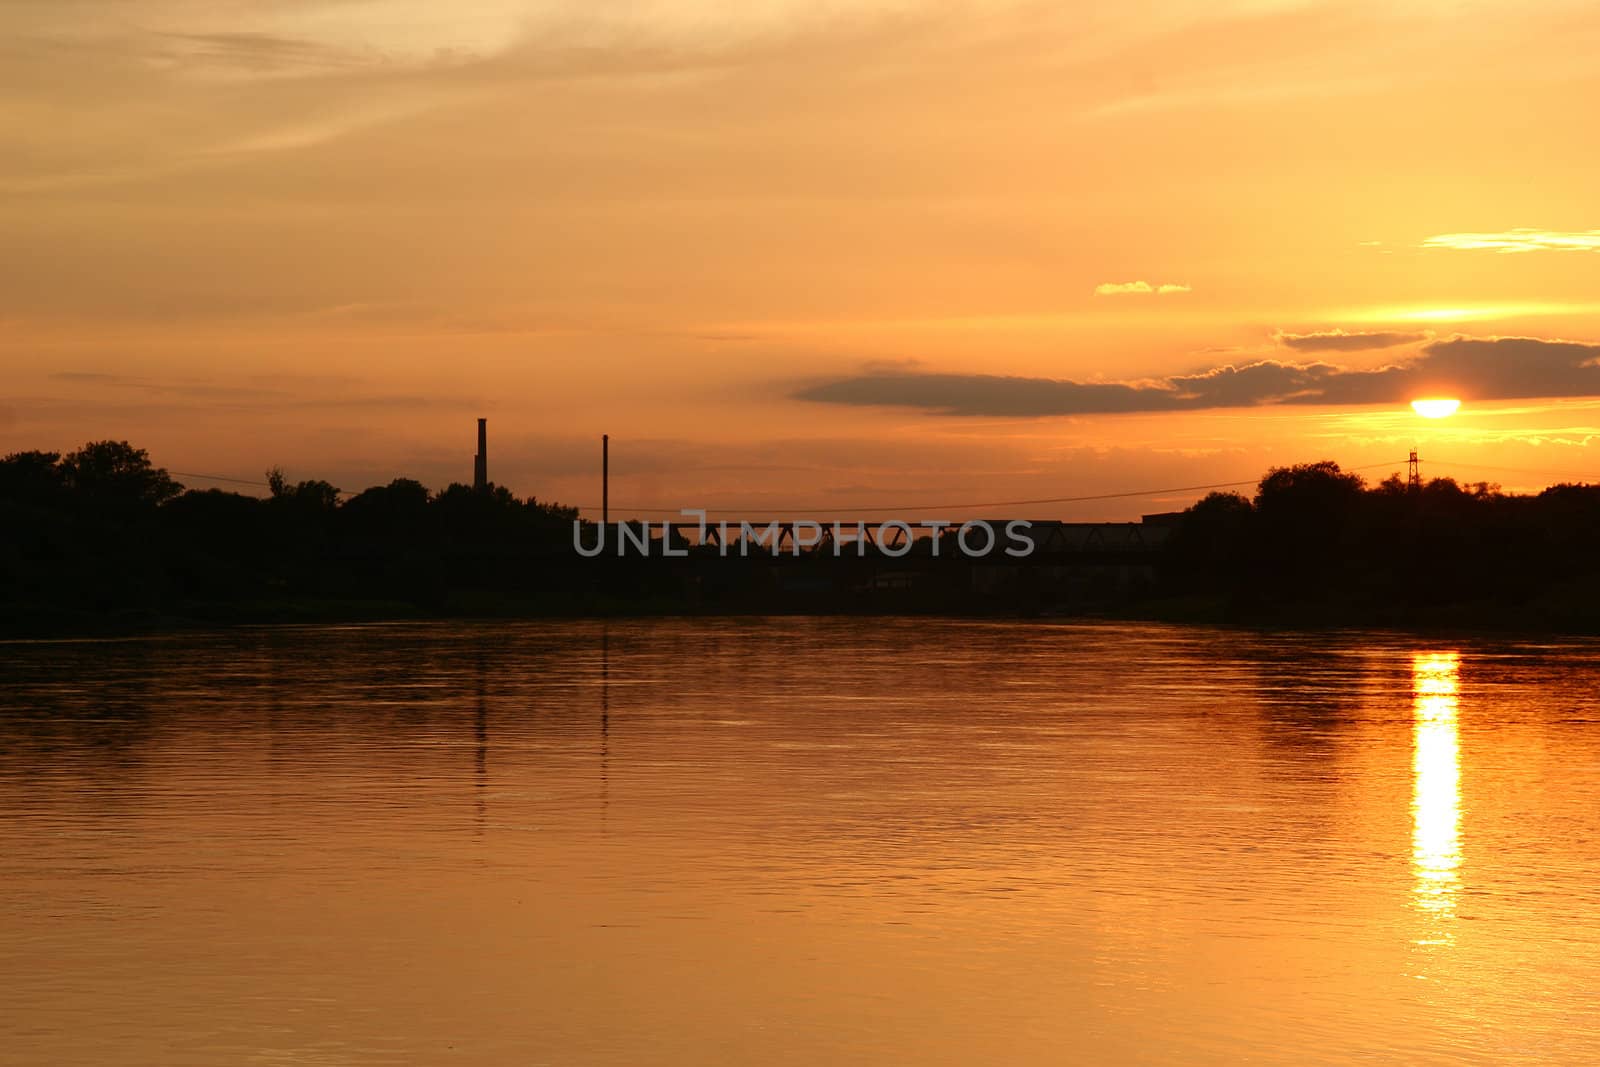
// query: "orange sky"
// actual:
[[328, 234]]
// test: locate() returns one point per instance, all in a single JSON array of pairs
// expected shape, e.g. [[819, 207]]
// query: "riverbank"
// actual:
[[1573, 614]]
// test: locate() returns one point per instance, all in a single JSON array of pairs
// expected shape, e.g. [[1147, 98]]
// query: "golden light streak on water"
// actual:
[[1436, 788]]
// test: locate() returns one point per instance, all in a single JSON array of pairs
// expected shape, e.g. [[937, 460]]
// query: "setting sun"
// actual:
[[1435, 407]]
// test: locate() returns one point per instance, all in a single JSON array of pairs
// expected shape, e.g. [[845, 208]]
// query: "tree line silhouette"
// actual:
[[102, 531], [1316, 542], [102, 537]]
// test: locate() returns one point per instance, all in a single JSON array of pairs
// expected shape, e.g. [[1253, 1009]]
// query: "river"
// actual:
[[799, 841]]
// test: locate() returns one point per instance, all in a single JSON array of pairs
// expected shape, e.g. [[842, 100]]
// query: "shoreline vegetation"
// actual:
[[100, 542]]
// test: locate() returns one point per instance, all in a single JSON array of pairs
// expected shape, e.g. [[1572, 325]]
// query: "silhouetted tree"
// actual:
[[402, 500], [1307, 492], [314, 495], [115, 474], [216, 545], [1570, 519], [1211, 545], [31, 477], [1303, 513], [1393, 485]]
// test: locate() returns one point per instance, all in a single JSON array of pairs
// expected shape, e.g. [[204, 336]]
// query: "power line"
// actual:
[[1083, 498], [238, 481], [216, 478], [983, 504], [1515, 470]]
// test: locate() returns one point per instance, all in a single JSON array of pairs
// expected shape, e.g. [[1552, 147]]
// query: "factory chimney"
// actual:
[[480, 463]]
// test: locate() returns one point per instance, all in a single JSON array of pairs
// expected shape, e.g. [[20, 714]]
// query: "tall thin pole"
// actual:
[[605, 478], [480, 463]]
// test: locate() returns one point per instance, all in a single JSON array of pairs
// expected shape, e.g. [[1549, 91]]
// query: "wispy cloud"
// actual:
[[1340, 341], [1519, 240], [1472, 368], [254, 54], [1139, 288], [97, 390]]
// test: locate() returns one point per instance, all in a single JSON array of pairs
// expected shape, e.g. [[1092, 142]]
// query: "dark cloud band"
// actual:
[[1500, 368]]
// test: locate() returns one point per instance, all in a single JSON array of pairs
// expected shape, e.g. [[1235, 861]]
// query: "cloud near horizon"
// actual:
[[1499, 368], [1139, 288], [1522, 239], [1340, 341]]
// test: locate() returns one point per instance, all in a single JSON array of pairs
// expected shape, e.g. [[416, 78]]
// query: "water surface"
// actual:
[[798, 842]]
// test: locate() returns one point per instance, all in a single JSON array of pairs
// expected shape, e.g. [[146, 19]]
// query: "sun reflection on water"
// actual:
[[1436, 789]]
